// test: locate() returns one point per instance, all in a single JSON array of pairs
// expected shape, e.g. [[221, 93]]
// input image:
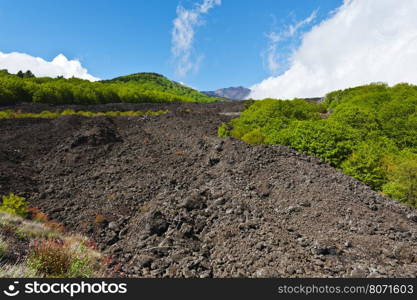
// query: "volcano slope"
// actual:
[[167, 198]]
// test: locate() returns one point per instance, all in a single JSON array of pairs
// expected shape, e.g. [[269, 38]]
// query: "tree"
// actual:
[[366, 163], [402, 175], [326, 139], [28, 74]]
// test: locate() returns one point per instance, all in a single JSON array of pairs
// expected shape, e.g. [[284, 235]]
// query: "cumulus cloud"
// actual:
[[59, 66], [362, 41], [279, 43], [185, 23]]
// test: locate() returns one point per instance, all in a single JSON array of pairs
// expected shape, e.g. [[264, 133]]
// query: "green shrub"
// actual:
[[255, 137], [15, 205], [223, 130], [64, 258], [80, 267], [357, 117], [47, 251], [402, 175], [50, 258], [366, 163], [328, 140]]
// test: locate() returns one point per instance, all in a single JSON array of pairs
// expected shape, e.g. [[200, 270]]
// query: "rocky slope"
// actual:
[[167, 198]]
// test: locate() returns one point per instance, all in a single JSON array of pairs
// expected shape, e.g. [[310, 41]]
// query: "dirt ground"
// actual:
[[167, 198]]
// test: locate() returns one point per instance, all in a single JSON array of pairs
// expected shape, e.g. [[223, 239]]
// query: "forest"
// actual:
[[135, 88], [369, 132]]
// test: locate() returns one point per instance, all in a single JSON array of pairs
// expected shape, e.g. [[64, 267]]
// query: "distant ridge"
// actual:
[[232, 93]]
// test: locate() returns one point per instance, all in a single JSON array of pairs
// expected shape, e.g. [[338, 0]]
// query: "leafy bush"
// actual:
[[402, 175], [272, 115], [14, 204], [255, 137], [223, 130], [356, 117], [367, 162], [324, 139]]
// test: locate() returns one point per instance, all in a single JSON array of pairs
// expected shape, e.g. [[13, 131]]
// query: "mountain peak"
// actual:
[[232, 93]]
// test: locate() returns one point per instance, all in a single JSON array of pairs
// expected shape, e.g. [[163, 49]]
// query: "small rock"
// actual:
[[144, 261], [114, 249], [412, 217], [358, 273], [290, 270], [156, 223], [220, 201], [324, 249], [219, 147], [229, 211], [265, 272], [194, 201], [111, 238], [123, 232], [213, 161], [294, 209], [186, 230], [205, 274], [303, 242], [260, 246], [113, 226], [305, 204]]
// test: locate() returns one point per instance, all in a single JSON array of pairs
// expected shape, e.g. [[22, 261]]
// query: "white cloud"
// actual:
[[363, 41], [183, 35], [279, 43], [187, 85], [59, 66]]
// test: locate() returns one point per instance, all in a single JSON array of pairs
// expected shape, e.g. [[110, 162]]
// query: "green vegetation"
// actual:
[[45, 250], [67, 258], [402, 178], [135, 88], [14, 204], [10, 114], [370, 132], [4, 247]]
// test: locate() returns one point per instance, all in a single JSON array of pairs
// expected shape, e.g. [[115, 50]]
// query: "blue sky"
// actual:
[[112, 38]]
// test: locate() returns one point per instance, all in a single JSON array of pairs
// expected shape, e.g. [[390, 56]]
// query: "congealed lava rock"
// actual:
[[101, 133], [194, 200], [156, 223], [180, 202]]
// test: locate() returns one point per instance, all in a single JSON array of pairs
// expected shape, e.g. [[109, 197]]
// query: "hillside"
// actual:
[[158, 82], [135, 88], [166, 197]]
